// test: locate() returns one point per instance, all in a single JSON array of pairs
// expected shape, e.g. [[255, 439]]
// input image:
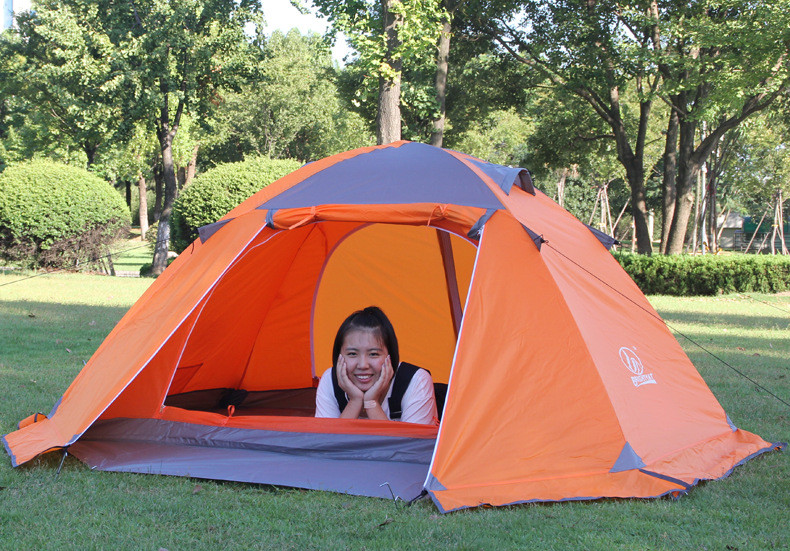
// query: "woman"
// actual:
[[363, 382]]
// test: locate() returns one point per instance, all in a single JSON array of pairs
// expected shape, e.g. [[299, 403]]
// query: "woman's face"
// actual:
[[364, 352]]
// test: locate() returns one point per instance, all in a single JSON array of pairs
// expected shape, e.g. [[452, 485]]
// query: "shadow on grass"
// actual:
[[771, 322]]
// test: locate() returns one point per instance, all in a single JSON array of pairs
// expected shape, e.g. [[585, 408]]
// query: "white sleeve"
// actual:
[[325, 401], [419, 403]]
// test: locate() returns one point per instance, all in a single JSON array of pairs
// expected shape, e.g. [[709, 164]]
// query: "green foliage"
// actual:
[[362, 23], [680, 275], [63, 78], [499, 138], [215, 192], [55, 215], [290, 110]]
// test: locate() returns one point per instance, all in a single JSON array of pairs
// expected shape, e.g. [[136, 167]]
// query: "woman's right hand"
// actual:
[[353, 392]]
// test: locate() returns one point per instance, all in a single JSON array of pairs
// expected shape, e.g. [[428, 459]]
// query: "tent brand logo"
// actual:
[[634, 365]]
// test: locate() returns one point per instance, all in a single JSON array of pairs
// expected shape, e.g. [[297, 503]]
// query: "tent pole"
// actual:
[[62, 459], [446, 248]]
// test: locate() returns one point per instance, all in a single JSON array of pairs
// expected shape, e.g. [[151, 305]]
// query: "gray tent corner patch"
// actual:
[[205, 232], [477, 229], [433, 484], [627, 461], [537, 239], [606, 240], [732, 425], [55, 408]]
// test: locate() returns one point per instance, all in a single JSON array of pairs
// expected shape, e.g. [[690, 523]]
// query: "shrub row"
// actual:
[[55, 215], [682, 275], [217, 191]]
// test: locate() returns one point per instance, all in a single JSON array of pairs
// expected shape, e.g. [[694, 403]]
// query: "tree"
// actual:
[[389, 35], [177, 56], [722, 62], [715, 60], [598, 51], [758, 171], [291, 110], [64, 74]]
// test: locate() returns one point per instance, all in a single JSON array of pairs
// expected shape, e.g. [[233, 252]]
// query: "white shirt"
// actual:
[[418, 404]]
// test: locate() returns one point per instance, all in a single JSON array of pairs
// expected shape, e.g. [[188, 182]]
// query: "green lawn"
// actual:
[[129, 254], [50, 325]]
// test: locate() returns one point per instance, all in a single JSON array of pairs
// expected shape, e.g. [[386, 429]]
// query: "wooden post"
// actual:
[[757, 229]]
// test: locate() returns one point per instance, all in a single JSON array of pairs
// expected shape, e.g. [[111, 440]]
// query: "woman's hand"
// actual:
[[351, 390], [379, 389]]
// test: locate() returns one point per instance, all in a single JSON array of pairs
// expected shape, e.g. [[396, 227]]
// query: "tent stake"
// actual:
[[394, 497]]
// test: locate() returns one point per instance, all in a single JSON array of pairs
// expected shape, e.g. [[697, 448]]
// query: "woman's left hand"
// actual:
[[379, 389]]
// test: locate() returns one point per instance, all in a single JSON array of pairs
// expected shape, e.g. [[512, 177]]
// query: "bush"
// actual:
[[55, 216], [217, 191], [681, 275]]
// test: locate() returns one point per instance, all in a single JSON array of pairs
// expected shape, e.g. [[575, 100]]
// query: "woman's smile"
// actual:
[[364, 353]]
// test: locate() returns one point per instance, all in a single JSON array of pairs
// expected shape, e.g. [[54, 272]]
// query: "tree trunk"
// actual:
[[388, 123], [163, 231], [159, 180], [127, 184], [686, 178], [90, 150], [635, 174], [143, 206], [561, 187], [181, 178], [442, 67], [775, 225], [668, 190], [192, 166], [781, 224], [713, 240], [640, 214]]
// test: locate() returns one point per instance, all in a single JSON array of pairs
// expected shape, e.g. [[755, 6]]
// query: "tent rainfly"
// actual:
[[564, 383]]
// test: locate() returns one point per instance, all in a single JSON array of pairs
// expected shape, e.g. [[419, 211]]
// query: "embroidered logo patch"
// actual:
[[632, 362]]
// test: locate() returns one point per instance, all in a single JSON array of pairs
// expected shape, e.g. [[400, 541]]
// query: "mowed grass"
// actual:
[[131, 253], [49, 325]]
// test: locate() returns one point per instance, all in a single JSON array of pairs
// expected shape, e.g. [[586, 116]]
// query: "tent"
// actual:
[[564, 383]]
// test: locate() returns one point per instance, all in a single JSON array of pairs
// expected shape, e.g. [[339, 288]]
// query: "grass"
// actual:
[[49, 325], [131, 253]]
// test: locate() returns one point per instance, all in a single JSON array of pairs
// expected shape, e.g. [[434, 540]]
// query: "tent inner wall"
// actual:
[[400, 269], [270, 321]]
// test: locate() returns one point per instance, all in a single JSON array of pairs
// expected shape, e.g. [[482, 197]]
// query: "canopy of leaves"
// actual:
[[291, 110], [362, 23], [761, 164]]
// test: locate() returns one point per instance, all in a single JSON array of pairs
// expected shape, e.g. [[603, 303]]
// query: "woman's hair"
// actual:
[[371, 318]]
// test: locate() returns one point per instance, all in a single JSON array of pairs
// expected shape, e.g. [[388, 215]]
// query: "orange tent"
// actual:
[[564, 383]]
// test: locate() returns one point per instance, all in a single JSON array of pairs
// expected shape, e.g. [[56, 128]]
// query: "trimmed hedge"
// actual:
[[54, 215], [682, 275], [217, 191]]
